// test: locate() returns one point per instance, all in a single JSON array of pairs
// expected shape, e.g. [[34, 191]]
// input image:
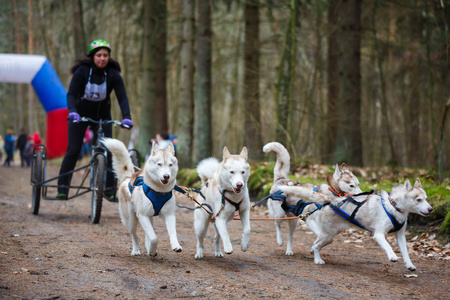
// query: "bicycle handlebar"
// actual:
[[104, 122]]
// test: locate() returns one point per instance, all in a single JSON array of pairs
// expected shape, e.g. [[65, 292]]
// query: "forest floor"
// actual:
[[60, 254]]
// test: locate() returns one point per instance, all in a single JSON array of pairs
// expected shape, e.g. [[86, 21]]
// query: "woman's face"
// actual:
[[101, 58]]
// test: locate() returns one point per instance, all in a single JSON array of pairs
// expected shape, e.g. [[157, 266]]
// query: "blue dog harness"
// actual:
[[158, 199], [297, 209], [351, 218]]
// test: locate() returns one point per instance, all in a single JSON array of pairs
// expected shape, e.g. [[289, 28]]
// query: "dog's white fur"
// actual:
[[159, 173], [408, 199], [342, 180], [231, 175]]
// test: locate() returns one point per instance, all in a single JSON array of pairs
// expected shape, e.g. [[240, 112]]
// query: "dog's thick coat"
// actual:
[[230, 178], [404, 199], [159, 174], [342, 181]]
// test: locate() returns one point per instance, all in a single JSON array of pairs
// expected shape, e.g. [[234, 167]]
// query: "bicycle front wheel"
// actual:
[[97, 184], [37, 174]]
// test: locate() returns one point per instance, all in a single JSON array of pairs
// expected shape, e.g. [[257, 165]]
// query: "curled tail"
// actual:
[[121, 161], [206, 168], [300, 192], [283, 163]]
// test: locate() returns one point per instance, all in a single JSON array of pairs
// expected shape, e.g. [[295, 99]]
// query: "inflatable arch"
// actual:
[[37, 70]]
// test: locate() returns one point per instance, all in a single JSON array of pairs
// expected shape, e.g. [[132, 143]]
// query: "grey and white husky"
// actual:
[[341, 182], [224, 186], [379, 214]]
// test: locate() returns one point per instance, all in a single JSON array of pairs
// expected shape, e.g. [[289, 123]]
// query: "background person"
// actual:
[[20, 145], [94, 78], [9, 147]]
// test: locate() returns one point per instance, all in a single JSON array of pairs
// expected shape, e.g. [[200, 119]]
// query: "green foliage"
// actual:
[[188, 178]]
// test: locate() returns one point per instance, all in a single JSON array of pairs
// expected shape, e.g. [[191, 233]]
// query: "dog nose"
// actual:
[[166, 176], [239, 185], [430, 209]]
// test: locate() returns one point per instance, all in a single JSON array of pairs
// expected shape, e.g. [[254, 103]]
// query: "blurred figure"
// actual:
[[20, 145], [36, 138], [161, 140], [9, 147], [28, 150], [86, 147], [2, 144]]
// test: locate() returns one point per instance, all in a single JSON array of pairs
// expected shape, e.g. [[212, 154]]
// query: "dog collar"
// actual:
[[394, 204], [340, 194], [236, 205]]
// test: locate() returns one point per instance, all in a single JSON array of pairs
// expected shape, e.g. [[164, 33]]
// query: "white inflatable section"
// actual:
[[17, 68]]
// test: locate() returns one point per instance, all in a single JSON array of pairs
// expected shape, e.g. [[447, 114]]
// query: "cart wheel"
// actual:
[[98, 179], [135, 158], [37, 169]]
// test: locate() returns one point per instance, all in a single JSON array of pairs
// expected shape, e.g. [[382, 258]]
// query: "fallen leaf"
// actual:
[[411, 275]]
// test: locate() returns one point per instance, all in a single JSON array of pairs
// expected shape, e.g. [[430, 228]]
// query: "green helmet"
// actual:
[[99, 44]]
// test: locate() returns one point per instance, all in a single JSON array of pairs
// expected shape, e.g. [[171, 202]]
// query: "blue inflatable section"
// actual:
[[49, 88]]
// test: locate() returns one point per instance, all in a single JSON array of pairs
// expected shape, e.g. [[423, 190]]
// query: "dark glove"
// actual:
[[127, 123], [75, 117]]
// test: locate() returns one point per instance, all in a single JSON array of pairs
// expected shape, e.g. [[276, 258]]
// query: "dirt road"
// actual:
[[60, 254]]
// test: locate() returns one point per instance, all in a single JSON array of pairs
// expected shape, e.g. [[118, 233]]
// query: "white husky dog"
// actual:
[[224, 186], [341, 182], [379, 214], [146, 193]]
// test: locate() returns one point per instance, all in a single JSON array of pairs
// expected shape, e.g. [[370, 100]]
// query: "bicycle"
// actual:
[[97, 167]]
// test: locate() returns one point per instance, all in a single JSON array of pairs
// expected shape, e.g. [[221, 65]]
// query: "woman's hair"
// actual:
[[89, 62]]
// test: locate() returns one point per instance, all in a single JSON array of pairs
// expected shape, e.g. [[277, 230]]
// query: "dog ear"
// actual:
[[337, 172], [154, 148], [407, 185], [344, 167], [171, 148], [226, 153], [418, 184], [244, 153]]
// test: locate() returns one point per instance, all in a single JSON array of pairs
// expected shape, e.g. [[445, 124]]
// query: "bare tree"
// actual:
[[202, 123], [186, 96], [349, 147], [79, 37], [253, 138]]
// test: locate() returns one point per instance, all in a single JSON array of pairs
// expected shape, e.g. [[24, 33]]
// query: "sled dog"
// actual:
[[341, 182], [379, 214], [224, 186], [146, 193]]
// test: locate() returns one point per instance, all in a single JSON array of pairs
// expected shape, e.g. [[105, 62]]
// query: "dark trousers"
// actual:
[[75, 136]]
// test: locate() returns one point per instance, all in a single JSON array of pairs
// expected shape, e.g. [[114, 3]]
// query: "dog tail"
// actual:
[[121, 161], [283, 163], [206, 168], [306, 194]]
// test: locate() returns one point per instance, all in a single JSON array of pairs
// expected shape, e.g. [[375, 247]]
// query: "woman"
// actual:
[[94, 78]]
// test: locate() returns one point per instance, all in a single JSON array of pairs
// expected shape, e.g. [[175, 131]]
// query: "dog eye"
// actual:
[[243, 172], [231, 172], [159, 164], [419, 200], [170, 165], [352, 186]]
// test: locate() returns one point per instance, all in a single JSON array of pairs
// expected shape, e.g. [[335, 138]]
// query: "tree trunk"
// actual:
[[79, 37], [349, 146], [30, 51], [333, 86], [147, 128], [160, 29], [441, 141], [186, 102], [202, 124], [253, 138]]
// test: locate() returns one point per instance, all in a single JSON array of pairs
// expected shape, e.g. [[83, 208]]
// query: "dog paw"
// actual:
[[177, 249], [289, 253], [153, 254], [198, 256], [393, 258], [135, 252], [319, 262], [218, 254], [411, 267]]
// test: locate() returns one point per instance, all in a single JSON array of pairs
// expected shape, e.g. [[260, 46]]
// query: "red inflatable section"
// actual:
[[56, 139]]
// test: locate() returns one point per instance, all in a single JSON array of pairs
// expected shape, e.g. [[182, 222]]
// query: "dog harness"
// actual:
[[158, 199], [236, 205], [351, 218], [297, 209]]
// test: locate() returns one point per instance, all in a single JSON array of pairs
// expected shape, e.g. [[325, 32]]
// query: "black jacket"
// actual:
[[101, 109]]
